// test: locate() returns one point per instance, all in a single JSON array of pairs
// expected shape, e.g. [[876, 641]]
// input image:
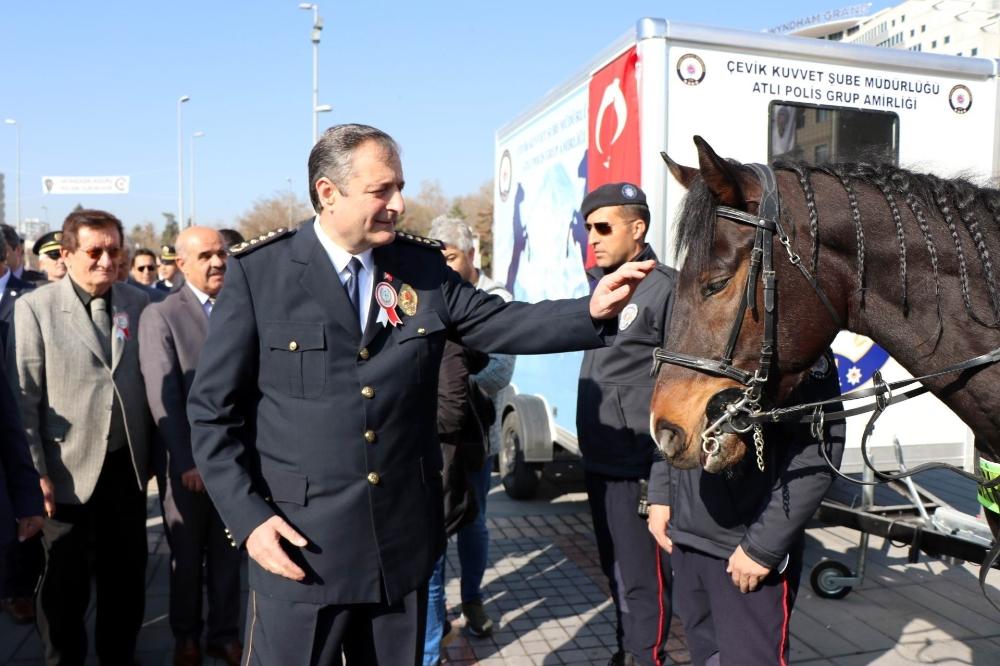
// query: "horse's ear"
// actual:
[[682, 174], [722, 177]]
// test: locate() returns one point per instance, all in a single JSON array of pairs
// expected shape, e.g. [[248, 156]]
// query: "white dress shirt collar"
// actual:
[[202, 297], [340, 257]]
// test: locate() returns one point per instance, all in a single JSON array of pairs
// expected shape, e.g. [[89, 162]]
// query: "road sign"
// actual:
[[85, 184]]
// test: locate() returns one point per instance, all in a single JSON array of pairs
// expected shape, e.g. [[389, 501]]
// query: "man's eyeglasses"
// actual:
[[53, 254], [95, 252], [603, 228], [147, 268]]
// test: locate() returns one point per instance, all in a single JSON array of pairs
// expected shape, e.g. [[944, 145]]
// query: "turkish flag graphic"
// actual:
[[613, 144]]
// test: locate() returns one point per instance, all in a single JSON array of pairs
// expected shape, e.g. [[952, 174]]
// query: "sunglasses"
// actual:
[[603, 228], [53, 254], [95, 252], [147, 268]]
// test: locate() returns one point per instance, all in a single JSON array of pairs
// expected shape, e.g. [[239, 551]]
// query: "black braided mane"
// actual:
[[929, 199]]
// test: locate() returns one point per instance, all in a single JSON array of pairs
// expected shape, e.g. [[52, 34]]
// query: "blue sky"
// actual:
[[94, 87]]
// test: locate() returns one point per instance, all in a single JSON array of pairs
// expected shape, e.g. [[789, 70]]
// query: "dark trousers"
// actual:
[[726, 626], [301, 634], [22, 567], [197, 535], [112, 523], [638, 570]]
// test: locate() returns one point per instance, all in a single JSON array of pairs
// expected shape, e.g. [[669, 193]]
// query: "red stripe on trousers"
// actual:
[[784, 623], [659, 600]]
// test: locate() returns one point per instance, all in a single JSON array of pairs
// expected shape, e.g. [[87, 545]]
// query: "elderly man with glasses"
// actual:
[[612, 423], [83, 404]]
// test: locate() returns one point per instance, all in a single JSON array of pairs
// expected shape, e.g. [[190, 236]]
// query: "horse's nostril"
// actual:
[[669, 437]]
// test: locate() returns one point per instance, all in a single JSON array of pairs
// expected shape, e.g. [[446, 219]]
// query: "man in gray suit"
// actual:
[[84, 409], [171, 335]]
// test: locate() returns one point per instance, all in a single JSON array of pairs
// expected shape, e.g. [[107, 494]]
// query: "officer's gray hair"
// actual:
[[333, 154], [452, 231]]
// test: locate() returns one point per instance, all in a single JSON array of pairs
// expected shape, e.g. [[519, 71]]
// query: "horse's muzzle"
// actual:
[[716, 410]]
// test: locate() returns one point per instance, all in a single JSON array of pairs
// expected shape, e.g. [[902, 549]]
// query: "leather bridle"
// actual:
[[741, 414]]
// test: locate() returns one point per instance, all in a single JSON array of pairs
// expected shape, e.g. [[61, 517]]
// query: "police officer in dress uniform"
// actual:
[[612, 422], [171, 278], [313, 407], [48, 249], [736, 538]]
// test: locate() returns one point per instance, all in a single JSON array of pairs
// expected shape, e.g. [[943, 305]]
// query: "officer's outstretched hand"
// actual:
[[612, 293], [264, 546], [658, 524], [745, 572]]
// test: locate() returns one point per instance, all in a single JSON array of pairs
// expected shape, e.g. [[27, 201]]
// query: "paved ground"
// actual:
[[545, 586]]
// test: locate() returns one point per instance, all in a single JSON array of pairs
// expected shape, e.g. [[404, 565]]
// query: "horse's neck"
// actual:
[[933, 329]]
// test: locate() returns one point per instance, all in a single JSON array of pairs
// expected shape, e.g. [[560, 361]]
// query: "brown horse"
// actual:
[[903, 258]]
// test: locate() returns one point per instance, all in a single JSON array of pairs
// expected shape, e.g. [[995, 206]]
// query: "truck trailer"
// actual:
[[755, 97]]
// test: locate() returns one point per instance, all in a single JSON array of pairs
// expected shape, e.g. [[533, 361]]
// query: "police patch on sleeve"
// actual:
[[627, 316], [821, 368]]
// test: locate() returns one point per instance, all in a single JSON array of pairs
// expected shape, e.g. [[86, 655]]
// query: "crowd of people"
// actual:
[[277, 390]]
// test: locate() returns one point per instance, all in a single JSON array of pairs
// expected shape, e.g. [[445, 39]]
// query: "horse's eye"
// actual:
[[714, 287]]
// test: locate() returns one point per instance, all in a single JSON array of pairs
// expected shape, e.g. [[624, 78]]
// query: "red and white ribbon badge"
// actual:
[[121, 326], [386, 297]]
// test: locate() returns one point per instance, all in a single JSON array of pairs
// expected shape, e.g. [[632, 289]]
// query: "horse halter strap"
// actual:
[[767, 225]]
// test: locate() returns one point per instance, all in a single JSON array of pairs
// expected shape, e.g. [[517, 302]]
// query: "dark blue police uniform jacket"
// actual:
[[293, 412]]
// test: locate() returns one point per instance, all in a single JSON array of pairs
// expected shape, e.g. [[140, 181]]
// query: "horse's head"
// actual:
[[719, 307]]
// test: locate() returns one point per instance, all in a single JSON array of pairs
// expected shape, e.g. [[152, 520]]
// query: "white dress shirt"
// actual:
[[340, 258], [203, 298]]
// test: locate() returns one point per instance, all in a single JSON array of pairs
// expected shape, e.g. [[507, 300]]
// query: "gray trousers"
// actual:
[[200, 552]]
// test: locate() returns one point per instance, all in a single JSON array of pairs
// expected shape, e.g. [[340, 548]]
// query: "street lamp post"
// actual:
[[180, 163], [317, 29], [17, 168], [196, 135]]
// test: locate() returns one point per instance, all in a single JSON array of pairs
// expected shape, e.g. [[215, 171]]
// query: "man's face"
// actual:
[[363, 212], [202, 259], [144, 269], [167, 269], [461, 262], [93, 265], [52, 263], [615, 237]]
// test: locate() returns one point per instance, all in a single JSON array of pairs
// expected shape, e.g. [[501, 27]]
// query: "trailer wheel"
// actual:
[[823, 583], [520, 479]]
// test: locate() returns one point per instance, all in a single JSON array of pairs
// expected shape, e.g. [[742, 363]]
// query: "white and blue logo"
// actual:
[[857, 361], [629, 191]]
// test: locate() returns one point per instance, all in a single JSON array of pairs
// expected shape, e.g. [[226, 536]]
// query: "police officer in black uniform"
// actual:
[[736, 538], [313, 410], [612, 423]]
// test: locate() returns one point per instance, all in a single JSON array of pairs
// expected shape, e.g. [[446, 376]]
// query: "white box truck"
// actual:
[[755, 97]]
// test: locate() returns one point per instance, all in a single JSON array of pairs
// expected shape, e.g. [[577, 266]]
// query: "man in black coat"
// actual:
[[736, 538], [612, 424], [313, 407]]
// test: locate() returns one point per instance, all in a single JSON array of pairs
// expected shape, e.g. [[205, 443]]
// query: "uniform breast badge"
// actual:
[[386, 298], [627, 316], [408, 300]]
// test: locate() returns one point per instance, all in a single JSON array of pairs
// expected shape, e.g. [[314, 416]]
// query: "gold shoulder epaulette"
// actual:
[[260, 241], [429, 243]]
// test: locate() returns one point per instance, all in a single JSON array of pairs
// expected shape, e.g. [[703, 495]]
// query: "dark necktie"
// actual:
[[354, 266], [102, 323]]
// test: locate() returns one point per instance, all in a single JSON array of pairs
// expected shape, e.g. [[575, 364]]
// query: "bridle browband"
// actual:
[[739, 415]]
